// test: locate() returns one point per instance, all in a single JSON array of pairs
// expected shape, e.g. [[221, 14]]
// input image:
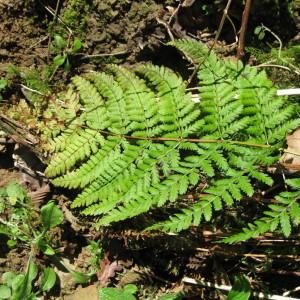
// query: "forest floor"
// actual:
[[128, 33]]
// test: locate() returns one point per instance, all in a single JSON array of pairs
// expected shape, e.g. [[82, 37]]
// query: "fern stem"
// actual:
[[250, 144]]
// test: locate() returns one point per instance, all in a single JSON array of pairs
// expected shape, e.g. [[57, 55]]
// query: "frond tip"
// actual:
[[280, 216]]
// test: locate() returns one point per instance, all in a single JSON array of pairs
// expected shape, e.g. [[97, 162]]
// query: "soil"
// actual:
[[128, 32], [119, 31], [21, 28]]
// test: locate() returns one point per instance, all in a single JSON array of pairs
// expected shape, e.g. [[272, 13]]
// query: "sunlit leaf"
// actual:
[[173, 296], [45, 247], [48, 279], [5, 292], [130, 288], [60, 42], [59, 60], [51, 215], [22, 284], [3, 84], [15, 192], [77, 45], [8, 278]]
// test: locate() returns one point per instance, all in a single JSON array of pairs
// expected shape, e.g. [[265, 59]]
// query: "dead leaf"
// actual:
[[290, 160], [293, 140], [108, 270]]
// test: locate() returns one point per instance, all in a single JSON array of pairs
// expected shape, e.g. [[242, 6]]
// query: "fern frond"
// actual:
[[139, 141], [244, 83], [84, 143], [195, 51], [142, 174], [176, 109], [60, 142], [280, 216], [95, 112], [96, 167], [226, 190], [160, 193], [114, 102], [141, 104]]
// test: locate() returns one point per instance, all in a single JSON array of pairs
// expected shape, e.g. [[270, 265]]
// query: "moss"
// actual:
[[138, 10], [75, 16]]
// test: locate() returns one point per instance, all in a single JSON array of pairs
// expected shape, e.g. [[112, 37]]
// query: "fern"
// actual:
[[226, 190], [141, 141], [282, 215]]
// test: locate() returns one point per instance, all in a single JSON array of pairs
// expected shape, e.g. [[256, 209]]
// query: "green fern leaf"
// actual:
[[295, 213], [285, 223], [140, 142]]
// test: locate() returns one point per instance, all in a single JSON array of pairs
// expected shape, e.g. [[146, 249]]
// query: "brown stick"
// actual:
[[241, 45]]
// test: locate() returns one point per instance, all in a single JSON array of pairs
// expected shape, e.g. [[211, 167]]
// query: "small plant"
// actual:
[[17, 226], [19, 286], [20, 223], [33, 229], [35, 85], [260, 32], [97, 254], [289, 57], [65, 51], [33, 82], [11, 73]]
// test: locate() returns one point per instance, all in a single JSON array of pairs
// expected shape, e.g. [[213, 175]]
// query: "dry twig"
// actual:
[[245, 18]]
